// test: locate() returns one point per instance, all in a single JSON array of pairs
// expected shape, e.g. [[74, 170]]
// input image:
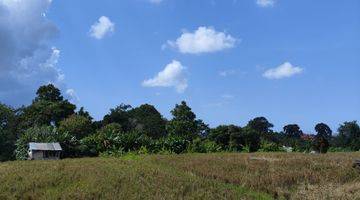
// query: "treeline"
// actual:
[[51, 118]]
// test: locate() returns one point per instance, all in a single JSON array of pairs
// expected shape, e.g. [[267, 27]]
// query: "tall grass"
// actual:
[[186, 176], [283, 175], [110, 178]]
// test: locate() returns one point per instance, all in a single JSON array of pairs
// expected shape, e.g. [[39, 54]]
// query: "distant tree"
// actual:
[[321, 142], [148, 120], [7, 132], [185, 124], [349, 135], [48, 93], [76, 125], [252, 138], [84, 113], [261, 125], [292, 131], [48, 108], [119, 115], [323, 130], [228, 137]]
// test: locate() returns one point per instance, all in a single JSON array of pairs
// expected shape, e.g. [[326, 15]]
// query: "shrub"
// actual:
[[270, 147]]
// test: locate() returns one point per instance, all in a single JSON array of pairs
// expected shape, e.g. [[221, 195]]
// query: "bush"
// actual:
[[270, 147]]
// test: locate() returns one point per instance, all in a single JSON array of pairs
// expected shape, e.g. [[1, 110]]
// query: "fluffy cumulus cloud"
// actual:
[[26, 58], [283, 71], [203, 40], [101, 28], [265, 3], [173, 75]]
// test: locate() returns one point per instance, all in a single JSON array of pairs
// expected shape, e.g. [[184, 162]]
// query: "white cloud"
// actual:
[[283, 71], [173, 75], [26, 58], [101, 28], [155, 1], [203, 40], [72, 95], [226, 73], [265, 3]]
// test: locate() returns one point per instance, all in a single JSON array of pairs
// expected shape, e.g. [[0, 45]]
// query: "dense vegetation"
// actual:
[[51, 118], [185, 176]]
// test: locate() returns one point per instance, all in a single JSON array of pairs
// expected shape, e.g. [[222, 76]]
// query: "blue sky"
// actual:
[[231, 60]]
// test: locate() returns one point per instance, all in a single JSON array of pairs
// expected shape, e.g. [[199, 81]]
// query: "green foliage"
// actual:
[[228, 137], [48, 108], [321, 144], [252, 139], [119, 115], [184, 123], [7, 132], [292, 131], [199, 145], [349, 136], [148, 120], [270, 147], [323, 130], [76, 125], [37, 134]]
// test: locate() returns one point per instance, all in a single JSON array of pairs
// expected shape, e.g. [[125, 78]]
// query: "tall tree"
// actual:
[[48, 108], [228, 137], [260, 124], [321, 142], [349, 135], [184, 123], [323, 130], [119, 115], [76, 125], [148, 120], [7, 132], [292, 131]]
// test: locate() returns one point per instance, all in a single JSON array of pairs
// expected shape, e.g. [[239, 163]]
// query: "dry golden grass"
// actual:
[[187, 176], [283, 175], [109, 178]]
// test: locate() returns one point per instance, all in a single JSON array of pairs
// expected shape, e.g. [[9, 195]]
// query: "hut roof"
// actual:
[[55, 146]]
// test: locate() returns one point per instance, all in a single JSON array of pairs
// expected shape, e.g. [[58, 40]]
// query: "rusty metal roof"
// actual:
[[55, 146]]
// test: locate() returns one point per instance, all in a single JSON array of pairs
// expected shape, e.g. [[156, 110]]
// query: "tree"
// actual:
[[48, 93], [184, 123], [76, 125], [84, 113], [119, 115], [323, 130], [292, 131], [321, 142], [252, 138], [261, 125], [7, 132], [349, 135], [48, 108], [228, 137], [148, 120]]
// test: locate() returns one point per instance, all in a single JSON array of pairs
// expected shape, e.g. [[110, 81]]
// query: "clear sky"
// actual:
[[292, 61]]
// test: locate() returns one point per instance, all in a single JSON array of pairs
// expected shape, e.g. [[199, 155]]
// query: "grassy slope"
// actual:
[[188, 176]]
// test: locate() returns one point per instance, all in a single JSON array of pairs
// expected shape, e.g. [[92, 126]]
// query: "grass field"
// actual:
[[187, 176]]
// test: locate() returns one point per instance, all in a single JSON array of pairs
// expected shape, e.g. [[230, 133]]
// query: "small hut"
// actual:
[[44, 151]]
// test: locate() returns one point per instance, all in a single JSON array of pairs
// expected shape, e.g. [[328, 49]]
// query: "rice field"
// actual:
[[186, 176]]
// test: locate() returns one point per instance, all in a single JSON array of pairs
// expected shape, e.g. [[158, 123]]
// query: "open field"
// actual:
[[187, 176]]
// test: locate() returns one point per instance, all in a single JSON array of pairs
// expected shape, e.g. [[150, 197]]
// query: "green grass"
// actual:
[[186, 176]]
